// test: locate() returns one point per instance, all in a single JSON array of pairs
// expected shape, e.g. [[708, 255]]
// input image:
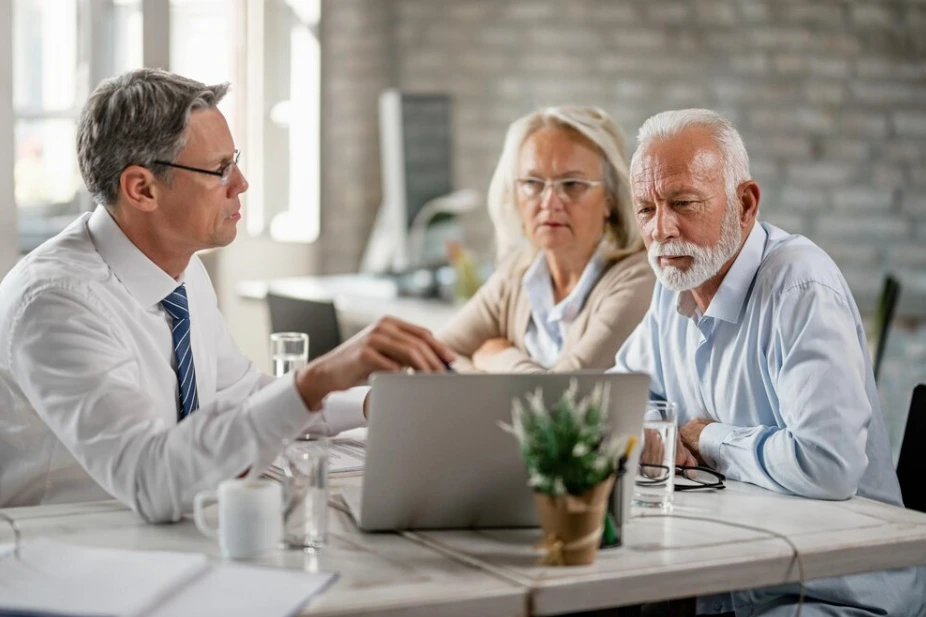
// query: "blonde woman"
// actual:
[[573, 279]]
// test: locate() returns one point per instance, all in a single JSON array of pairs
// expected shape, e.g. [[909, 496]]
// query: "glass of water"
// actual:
[[289, 351], [655, 479], [305, 490]]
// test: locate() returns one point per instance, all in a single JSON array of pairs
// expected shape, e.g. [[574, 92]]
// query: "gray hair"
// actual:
[[135, 119], [668, 124], [598, 128]]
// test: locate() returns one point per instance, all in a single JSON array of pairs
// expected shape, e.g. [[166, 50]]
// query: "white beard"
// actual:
[[706, 261]]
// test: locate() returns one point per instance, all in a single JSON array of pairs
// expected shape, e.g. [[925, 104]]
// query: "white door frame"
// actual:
[[9, 236]]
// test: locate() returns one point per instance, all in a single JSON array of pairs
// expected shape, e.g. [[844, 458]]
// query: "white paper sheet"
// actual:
[[345, 453], [61, 579]]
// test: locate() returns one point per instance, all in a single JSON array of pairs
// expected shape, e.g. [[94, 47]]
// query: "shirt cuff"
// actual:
[[344, 410], [712, 437], [277, 412]]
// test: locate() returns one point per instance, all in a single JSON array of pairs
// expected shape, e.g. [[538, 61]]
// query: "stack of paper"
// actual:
[[344, 454], [51, 578]]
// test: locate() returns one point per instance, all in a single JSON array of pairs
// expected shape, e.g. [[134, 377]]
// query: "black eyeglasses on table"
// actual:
[[688, 478]]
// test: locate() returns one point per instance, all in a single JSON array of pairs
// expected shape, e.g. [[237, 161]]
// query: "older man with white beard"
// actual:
[[754, 333]]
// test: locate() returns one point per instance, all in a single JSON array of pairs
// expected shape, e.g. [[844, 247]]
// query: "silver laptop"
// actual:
[[437, 459]]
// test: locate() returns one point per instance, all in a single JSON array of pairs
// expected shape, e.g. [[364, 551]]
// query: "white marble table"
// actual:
[[666, 557], [493, 572], [381, 575]]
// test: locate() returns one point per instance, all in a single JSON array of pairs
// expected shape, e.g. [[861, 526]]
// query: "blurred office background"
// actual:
[[830, 97]]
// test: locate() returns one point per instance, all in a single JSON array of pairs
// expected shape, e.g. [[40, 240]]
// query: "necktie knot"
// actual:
[[176, 304]]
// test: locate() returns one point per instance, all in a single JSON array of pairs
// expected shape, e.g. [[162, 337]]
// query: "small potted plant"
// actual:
[[571, 463]]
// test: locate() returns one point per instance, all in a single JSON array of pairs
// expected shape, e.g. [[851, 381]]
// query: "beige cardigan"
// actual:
[[614, 307]]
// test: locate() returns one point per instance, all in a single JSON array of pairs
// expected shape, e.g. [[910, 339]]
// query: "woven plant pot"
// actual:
[[572, 525]]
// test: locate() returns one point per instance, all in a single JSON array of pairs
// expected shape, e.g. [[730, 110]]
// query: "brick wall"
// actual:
[[830, 97], [357, 64]]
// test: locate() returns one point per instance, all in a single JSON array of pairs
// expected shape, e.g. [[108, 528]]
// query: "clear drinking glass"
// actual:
[[289, 351], [305, 493], [655, 479]]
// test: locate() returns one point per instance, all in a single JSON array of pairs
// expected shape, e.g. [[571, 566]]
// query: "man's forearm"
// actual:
[[313, 385], [777, 459]]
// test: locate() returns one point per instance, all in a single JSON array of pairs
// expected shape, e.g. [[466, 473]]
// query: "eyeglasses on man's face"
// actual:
[[223, 173], [569, 190], [687, 478]]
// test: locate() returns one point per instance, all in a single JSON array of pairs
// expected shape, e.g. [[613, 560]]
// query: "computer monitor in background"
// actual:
[[417, 179]]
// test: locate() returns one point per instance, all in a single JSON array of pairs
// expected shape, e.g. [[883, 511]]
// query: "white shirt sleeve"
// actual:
[[66, 356], [343, 411], [237, 378], [820, 372]]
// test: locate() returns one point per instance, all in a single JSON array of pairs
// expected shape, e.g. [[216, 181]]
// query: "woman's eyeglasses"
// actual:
[[567, 189], [687, 478]]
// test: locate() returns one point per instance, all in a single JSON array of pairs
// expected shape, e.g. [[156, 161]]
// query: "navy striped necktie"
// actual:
[[178, 308]]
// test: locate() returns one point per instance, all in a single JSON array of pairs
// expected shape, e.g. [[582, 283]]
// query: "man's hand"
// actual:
[[683, 456], [690, 436], [654, 450], [388, 345], [484, 354]]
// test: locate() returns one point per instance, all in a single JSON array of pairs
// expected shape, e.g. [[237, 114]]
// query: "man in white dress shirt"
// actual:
[[118, 374]]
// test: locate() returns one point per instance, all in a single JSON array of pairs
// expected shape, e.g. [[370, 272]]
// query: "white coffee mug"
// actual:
[[250, 516]]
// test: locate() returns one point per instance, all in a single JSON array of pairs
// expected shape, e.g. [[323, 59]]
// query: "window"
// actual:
[[269, 50], [284, 119], [59, 46], [203, 39]]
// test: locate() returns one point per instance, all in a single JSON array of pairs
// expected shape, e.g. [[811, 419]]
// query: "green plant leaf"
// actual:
[[565, 447]]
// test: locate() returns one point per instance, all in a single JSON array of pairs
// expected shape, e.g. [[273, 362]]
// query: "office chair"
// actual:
[[911, 466], [316, 318], [883, 318]]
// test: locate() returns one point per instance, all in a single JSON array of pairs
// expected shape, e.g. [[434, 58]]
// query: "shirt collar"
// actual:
[[538, 284], [145, 281], [727, 303]]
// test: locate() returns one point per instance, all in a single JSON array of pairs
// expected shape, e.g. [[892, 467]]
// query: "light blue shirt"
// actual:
[[549, 324], [779, 362]]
